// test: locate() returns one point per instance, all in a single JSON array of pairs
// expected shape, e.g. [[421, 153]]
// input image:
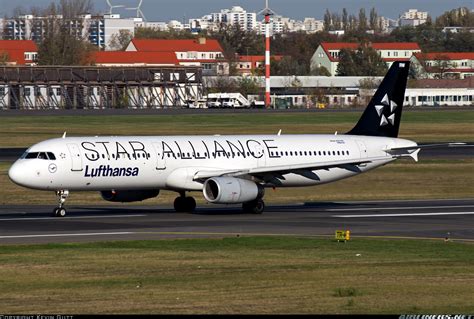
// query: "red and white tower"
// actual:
[[267, 13]]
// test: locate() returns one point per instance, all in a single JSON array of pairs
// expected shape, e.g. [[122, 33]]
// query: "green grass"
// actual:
[[22, 131], [239, 275]]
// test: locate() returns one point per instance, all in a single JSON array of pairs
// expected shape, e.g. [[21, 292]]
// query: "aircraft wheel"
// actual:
[[61, 212], [190, 204], [179, 204], [255, 207]]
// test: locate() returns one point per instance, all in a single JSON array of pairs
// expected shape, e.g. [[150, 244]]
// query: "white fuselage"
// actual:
[[171, 162]]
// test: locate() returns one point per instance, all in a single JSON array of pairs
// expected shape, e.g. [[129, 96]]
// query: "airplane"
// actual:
[[232, 169]]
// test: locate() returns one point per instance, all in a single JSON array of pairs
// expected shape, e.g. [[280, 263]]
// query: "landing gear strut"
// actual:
[[184, 203], [256, 206], [60, 211]]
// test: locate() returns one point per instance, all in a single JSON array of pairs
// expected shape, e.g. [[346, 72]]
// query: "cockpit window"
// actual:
[[39, 155], [42, 156], [32, 155]]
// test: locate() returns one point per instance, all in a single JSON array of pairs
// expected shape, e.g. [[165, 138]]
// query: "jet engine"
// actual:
[[128, 196], [231, 190]]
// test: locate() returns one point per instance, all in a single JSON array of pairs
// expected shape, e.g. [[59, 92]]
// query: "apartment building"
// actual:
[[99, 30]]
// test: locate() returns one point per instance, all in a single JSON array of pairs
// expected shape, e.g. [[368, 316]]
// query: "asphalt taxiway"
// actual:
[[391, 219]]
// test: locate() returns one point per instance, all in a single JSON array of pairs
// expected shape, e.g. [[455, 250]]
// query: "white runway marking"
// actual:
[[66, 235], [395, 208], [404, 215], [67, 218]]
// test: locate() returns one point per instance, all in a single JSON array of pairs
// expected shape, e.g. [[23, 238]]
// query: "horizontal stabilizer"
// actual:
[[412, 151], [426, 146]]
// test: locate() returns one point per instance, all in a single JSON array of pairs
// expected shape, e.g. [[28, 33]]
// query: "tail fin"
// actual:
[[382, 115]]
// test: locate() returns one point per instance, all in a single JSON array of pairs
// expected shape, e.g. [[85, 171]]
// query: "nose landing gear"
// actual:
[[60, 211]]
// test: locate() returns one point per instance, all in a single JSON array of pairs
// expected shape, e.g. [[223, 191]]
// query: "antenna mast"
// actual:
[[267, 13]]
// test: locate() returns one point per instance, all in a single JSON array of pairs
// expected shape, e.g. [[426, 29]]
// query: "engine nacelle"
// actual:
[[231, 190], [129, 196]]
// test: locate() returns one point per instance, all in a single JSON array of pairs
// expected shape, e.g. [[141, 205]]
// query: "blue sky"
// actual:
[[165, 10]]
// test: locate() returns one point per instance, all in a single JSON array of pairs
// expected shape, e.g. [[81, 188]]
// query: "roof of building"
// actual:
[[445, 83], [206, 45], [21, 45], [377, 46], [16, 50], [331, 46], [135, 57], [445, 56]]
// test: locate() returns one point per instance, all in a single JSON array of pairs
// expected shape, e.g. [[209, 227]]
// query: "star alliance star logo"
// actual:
[[386, 102]]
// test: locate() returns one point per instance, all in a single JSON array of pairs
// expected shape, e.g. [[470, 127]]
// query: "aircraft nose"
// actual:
[[17, 174]]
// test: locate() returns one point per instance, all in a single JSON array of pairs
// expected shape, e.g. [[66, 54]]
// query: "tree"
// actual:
[[222, 84], [460, 17], [345, 19], [347, 65], [4, 58], [60, 46], [362, 20], [119, 41], [327, 21], [441, 64], [365, 61], [71, 9], [248, 85], [286, 66], [320, 71], [373, 19]]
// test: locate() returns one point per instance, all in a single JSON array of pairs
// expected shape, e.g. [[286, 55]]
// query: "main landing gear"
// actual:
[[60, 211], [184, 203], [257, 206]]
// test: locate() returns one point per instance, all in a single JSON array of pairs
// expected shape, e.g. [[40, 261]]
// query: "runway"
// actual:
[[392, 219]]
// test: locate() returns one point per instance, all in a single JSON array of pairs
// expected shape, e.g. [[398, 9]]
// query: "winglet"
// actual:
[[64, 135]]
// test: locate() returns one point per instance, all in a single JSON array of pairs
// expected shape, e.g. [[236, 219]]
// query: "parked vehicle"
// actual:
[[197, 104], [227, 100]]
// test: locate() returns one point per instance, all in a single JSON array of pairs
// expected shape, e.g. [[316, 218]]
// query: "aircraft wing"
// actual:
[[412, 151], [279, 170]]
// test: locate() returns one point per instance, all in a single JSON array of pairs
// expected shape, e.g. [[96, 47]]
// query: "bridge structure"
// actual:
[[77, 87]]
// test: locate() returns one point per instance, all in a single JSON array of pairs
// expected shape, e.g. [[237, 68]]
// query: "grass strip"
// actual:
[[239, 275]]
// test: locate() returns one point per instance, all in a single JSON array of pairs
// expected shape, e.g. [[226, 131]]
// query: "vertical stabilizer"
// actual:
[[382, 115]]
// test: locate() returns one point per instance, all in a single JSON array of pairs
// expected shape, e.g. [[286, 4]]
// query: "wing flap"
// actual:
[[286, 169]]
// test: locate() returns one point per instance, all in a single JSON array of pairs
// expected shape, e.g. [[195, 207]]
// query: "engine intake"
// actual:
[[129, 196], [231, 190]]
